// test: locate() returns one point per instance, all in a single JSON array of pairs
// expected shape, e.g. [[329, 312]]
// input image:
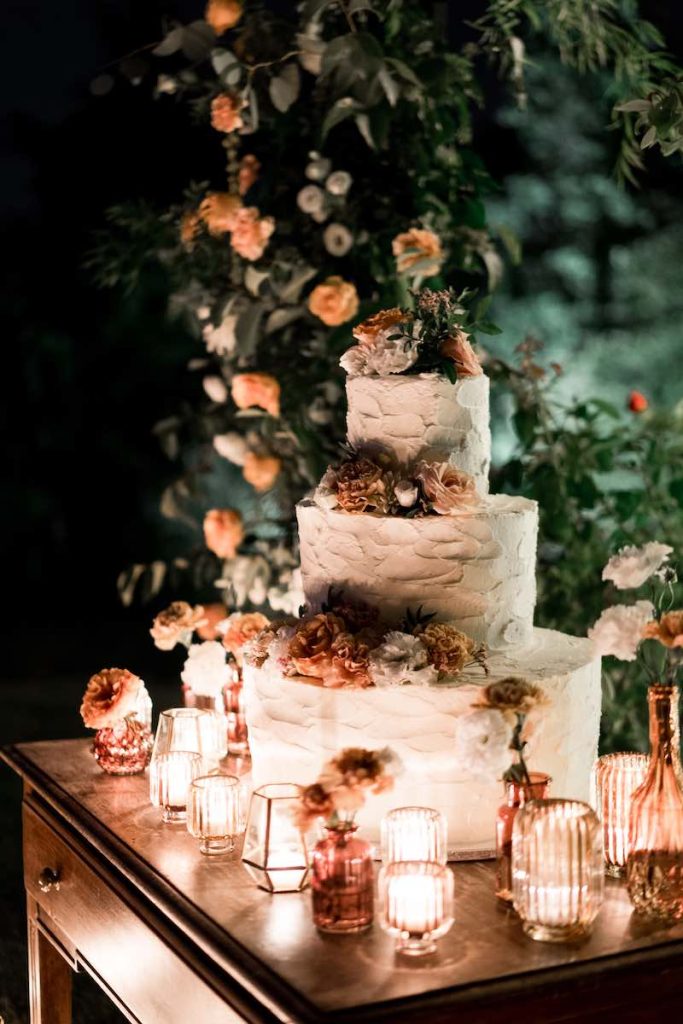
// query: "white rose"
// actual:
[[619, 630], [231, 446], [482, 741], [311, 199], [632, 566], [339, 183], [355, 361], [401, 659], [406, 493], [206, 670], [215, 389], [386, 357], [318, 168]]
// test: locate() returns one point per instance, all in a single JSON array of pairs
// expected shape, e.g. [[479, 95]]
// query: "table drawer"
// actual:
[[132, 960]]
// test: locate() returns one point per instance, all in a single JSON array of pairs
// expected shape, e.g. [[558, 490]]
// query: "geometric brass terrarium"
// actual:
[[275, 852]]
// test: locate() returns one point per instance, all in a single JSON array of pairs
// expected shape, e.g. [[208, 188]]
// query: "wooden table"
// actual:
[[173, 936]]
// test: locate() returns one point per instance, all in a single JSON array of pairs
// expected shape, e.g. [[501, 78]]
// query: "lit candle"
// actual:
[[213, 812], [170, 776], [416, 904], [414, 833], [275, 853], [615, 779]]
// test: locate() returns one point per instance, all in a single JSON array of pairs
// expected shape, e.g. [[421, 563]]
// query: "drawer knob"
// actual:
[[48, 880]]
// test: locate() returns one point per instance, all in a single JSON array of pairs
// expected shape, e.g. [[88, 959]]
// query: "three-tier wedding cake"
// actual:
[[420, 588]]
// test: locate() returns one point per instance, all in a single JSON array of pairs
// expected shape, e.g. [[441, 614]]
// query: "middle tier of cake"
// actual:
[[475, 570]]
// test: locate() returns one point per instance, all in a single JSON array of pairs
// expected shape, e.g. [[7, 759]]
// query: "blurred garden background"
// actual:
[[592, 270]]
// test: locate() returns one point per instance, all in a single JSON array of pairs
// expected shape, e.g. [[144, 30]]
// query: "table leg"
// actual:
[[49, 976]]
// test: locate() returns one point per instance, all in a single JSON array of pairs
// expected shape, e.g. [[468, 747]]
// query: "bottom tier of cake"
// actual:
[[295, 726]]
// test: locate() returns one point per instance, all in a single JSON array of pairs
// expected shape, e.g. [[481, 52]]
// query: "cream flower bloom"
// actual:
[[215, 388], [632, 566], [221, 339], [401, 659], [482, 741], [619, 630], [206, 670]]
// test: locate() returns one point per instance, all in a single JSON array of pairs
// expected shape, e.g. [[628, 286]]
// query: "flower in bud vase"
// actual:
[[117, 705], [342, 879]]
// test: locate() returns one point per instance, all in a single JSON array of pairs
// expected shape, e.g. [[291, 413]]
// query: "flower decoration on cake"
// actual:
[[375, 483], [623, 630], [341, 788], [346, 645], [176, 624], [238, 629], [428, 339]]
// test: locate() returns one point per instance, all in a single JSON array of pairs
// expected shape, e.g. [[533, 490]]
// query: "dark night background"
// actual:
[[87, 373]]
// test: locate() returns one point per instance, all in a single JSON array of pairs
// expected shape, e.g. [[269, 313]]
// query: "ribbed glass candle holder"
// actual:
[[213, 812], [557, 869], [616, 777], [189, 729], [170, 776], [416, 904], [414, 833]]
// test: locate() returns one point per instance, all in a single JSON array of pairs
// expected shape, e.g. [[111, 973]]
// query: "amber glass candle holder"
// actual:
[[170, 776], [616, 777], [275, 852], [213, 812], [414, 834], [557, 869], [416, 904]]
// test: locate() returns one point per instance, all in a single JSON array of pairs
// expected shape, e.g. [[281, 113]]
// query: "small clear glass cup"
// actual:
[[414, 833], [214, 812], [189, 729], [616, 777], [416, 904], [170, 777]]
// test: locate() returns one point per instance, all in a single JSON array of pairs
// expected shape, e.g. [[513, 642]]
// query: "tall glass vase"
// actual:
[[517, 794], [654, 869], [342, 881]]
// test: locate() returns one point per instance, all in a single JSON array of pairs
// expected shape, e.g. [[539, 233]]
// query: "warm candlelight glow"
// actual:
[[615, 779], [191, 729], [170, 776], [275, 851], [213, 812], [416, 904], [557, 869], [414, 833]]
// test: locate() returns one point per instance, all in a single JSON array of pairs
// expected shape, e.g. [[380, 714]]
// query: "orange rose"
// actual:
[[250, 233], [213, 614], [260, 389], [110, 696], [223, 531], [311, 646], [669, 629], [222, 14], [458, 348], [417, 251], [239, 629], [385, 322], [225, 113], [219, 211], [248, 172], [334, 301], [261, 471], [189, 226]]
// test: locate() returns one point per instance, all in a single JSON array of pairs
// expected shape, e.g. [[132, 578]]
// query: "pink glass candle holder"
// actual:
[[416, 904], [170, 776], [616, 777], [213, 812], [414, 833]]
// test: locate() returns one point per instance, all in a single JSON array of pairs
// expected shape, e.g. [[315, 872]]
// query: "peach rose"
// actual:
[[458, 348], [250, 233], [261, 471], [223, 531], [238, 629], [311, 646], [248, 172], [222, 14], [334, 301], [383, 323], [669, 629], [417, 251], [213, 614], [260, 389], [225, 113], [189, 226], [176, 624], [448, 489], [219, 211], [110, 696]]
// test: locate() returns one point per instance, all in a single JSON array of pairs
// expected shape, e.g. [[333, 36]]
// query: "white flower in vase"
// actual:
[[482, 743], [206, 670], [632, 566], [619, 630]]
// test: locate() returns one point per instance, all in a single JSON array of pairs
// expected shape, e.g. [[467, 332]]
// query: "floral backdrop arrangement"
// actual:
[[349, 179]]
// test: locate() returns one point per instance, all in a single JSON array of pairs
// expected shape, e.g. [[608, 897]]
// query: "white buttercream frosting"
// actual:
[[475, 569], [423, 416], [295, 726]]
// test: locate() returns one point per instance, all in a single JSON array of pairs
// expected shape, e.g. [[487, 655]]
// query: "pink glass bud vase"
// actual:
[[342, 881], [517, 794], [124, 748]]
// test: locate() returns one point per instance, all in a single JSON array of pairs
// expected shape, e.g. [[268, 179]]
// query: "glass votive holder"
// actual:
[[275, 851], [414, 833], [213, 812], [170, 776], [415, 904], [616, 777], [189, 729], [557, 869]]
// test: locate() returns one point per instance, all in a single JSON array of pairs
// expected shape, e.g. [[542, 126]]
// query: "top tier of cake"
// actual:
[[424, 416]]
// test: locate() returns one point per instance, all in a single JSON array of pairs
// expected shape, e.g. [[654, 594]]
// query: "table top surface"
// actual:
[[214, 900]]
